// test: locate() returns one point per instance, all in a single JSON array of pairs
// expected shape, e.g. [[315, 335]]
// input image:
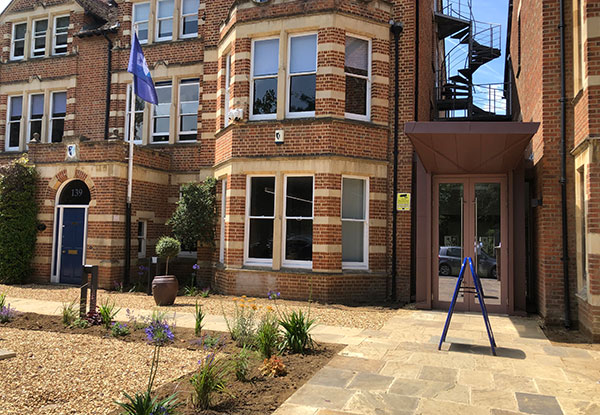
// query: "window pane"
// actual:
[[141, 12], [36, 127], [302, 93], [19, 48], [188, 92], [260, 244], [41, 26], [165, 8], [143, 31], [161, 125], [189, 122], [190, 6], [356, 95], [160, 138], [164, 94], [58, 129], [140, 232], [16, 107], [15, 132], [37, 105], [20, 31], [189, 107], [303, 54], [59, 103], [262, 198], [40, 42], [62, 23], [165, 28], [299, 198], [353, 199], [353, 241], [357, 56], [265, 96], [190, 25], [266, 57], [298, 240]]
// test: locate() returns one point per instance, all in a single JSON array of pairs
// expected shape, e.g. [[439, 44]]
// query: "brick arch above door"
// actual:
[[66, 175]]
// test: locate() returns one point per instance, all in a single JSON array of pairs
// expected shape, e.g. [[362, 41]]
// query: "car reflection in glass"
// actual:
[[450, 261]]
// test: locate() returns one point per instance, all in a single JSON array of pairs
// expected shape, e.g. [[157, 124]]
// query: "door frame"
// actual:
[[57, 239], [468, 181]]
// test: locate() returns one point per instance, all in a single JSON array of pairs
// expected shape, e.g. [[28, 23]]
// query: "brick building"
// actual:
[[290, 105], [537, 74]]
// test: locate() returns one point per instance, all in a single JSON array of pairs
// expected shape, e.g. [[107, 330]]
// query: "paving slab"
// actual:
[[366, 381], [377, 403], [7, 354], [538, 404]]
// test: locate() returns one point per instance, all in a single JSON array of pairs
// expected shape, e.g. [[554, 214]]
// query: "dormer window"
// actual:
[[17, 50], [38, 41]]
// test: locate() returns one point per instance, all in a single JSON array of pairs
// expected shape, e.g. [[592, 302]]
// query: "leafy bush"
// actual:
[[18, 220], [199, 318], [205, 293], [166, 248], [93, 318], [243, 326], [69, 313], [108, 312], [208, 342], [191, 291], [80, 323], [273, 367], [296, 327], [195, 217], [267, 335], [145, 404], [241, 364], [209, 379], [119, 330]]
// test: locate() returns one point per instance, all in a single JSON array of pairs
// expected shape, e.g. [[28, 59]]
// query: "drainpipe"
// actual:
[[413, 181], [108, 82], [396, 28], [563, 168]]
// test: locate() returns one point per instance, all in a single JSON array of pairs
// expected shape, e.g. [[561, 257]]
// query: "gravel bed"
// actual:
[[367, 317], [57, 373]]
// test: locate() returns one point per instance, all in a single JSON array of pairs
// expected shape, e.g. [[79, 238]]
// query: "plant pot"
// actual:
[[164, 289]]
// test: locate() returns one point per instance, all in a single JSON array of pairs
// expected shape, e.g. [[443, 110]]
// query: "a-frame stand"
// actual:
[[479, 292]]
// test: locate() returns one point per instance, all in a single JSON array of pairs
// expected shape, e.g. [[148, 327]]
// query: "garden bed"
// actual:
[[258, 395]]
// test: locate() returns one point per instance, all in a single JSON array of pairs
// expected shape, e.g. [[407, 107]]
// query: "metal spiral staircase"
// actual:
[[471, 45]]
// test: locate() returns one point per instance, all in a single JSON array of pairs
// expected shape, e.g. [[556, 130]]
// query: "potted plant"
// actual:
[[165, 287]]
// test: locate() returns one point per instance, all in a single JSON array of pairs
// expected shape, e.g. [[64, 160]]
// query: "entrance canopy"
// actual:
[[470, 147]]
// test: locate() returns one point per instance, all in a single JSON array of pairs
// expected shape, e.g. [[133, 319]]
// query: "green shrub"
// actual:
[[18, 220], [199, 318], [191, 291], [296, 331], [108, 312], [2, 300], [205, 293], [145, 404], [69, 313], [80, 323], [241, 364], [210, 378], [243, 326], [119, 330], [167, 248], [267, 335]]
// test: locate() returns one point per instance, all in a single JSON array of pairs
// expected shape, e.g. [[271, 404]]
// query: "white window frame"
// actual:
[[153, 117], [365, 263], [28, 135], [9, 123], [247, 259], [34, 37], [157, 37], [369, 78], [181, 21], [289, 76], [134, 23], [51, 115], [223, 216], [142, 239], [251, 115], [227, 86], [288, 262], [128, 117], [182, 83], [12, 42], [55, 34]]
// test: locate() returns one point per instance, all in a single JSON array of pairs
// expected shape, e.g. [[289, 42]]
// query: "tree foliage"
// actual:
[[18, 220], [195, 218]]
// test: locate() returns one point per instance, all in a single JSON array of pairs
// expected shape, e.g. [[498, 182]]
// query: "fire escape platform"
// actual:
[[470, 147], [448, 25]]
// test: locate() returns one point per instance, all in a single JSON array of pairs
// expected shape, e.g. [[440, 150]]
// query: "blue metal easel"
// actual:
[[479, 292]]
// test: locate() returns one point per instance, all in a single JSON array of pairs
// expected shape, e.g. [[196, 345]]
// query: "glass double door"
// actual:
[[470, 221]]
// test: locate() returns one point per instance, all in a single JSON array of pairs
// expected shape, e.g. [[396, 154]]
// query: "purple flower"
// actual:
[[196, 266], [272, 295], [7, 314], [158, 333]]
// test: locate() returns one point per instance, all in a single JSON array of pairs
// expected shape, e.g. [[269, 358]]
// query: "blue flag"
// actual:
[[142, 81]]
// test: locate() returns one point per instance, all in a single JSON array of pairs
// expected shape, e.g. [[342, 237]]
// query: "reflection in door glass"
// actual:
[[450, 239], [488, 240]]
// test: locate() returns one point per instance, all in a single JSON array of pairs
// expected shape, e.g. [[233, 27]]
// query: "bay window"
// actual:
[[164, 20], [189, 18], [265, 65], [161, 113], [188, 110], [141, 17], [358, 78], [38, 42], [302, 77], [58, 113], [260, 219], [354, 222], [298, 221], [17, 50], [36, 115], [61, 29], [15, 113]]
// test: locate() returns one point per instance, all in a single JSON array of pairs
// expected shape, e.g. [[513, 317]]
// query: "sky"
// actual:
[[3, 4], [491, 11]]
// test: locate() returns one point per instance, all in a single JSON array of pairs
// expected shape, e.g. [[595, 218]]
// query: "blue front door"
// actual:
[[71, 256]]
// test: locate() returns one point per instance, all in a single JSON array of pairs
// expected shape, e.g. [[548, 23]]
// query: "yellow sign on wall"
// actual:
[[403, 202]]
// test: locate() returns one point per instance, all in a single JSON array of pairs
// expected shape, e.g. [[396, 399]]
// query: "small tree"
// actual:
[[18, 220], [195, 218], [167, 247]]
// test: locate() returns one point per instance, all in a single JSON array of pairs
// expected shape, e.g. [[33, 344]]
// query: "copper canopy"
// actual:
[[470, 147]]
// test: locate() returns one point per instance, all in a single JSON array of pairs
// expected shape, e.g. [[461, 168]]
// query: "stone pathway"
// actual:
[[398, 369]]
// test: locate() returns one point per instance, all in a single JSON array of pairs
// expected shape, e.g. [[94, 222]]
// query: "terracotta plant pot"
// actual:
[[164, 289]]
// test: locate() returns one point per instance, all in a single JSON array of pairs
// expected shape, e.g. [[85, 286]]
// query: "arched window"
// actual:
[[75, 192]]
